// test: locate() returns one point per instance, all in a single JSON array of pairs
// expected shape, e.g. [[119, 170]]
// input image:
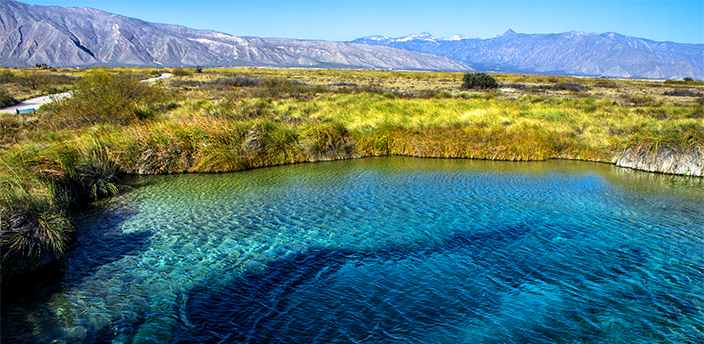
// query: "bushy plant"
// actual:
[[238, 81], [679, 92], [102, 98], [479, 81], [6, 99], [7, 76], [178, 71], [569, 86]]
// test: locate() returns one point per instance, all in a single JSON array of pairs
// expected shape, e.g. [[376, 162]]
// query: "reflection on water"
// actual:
[[380, 250]]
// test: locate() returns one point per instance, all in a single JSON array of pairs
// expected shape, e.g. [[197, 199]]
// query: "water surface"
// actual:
[[387, 250]]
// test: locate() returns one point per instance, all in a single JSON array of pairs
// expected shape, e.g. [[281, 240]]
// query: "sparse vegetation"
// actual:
[[230, 120]]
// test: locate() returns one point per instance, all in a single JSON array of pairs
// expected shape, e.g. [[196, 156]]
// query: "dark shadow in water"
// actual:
[[250, 309], [99, 242], [247, 309]]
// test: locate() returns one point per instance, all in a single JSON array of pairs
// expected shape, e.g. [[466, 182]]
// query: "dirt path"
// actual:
[[35, 103]]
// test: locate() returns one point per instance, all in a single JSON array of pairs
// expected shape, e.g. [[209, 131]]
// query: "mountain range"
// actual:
[[76, 36], [571, 53]]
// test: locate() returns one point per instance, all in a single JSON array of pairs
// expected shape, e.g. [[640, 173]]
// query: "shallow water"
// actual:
[[387, 250]]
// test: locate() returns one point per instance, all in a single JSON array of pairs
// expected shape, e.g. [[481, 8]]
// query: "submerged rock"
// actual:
[[663, 159]]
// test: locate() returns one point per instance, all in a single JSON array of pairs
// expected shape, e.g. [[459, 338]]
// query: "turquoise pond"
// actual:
[[383, 250]]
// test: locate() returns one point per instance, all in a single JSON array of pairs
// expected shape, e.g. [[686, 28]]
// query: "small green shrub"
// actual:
[[638, 100], [7, 76], [237, 81], [144, 113], [680, 92], [479, 81], [178, 71], [569, 86], [6, 99]]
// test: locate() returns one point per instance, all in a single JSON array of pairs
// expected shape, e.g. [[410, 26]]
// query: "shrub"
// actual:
[[238, 81], [178, 71], [479, 81], [6, 99], [682, 93], [6, 76], [103, 98], [637, 100], [569, 86]]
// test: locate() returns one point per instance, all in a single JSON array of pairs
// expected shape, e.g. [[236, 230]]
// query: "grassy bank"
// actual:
[[230, 120]]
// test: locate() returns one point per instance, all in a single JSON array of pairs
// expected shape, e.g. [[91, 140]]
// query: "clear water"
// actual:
[[388, 250]]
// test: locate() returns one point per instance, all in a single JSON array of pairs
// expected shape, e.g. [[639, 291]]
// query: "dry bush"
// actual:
[[103, 98]]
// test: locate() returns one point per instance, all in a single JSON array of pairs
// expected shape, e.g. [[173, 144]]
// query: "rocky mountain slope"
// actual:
[[572, 53], [87, 37], [668, 51]]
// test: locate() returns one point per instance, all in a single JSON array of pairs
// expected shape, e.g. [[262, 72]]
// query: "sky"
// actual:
[[344, 20]]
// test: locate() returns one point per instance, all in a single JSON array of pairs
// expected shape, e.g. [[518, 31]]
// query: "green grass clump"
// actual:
[[35, 225], [97, 172]]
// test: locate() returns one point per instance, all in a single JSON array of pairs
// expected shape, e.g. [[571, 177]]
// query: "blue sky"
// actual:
[[342, 20]]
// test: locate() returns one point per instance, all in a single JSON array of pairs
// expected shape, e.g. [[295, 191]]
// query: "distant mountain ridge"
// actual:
[[668, 51], [68, 37], [87, 37], [572, 53]]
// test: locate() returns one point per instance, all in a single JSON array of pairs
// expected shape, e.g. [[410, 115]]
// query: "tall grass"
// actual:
[[97, 172], [35, 225]]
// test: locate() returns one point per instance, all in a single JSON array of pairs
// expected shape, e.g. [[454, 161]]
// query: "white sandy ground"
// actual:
[[35, 103]]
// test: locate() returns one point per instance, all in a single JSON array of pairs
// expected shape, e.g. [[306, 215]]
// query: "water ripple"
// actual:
[[380, 250]]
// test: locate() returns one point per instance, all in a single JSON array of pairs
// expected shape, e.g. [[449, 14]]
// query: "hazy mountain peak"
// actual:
[[571, 53], [423, 37], [458, 37]]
